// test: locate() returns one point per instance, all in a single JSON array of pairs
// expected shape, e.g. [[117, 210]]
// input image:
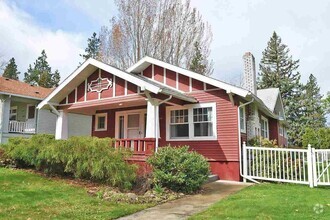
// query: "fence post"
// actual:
[[244, 162], [314, 167], [310, 166]]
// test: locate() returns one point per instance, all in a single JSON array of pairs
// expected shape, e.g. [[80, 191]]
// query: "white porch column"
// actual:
[[62, 126], [151, 120], [5, 113]]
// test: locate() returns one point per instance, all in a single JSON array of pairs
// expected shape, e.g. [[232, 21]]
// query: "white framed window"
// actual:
[[30, 111], [179, 124], [13, 113], [101, 122], [264, 127], [191, 122], [281, 131], [242, 118]]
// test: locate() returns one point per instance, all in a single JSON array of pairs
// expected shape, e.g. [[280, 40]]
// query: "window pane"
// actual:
[[179, 116], [31, 112], [179, 131], [121, 126], [133, 121], [202, 114], [101, 122], [203, 129]]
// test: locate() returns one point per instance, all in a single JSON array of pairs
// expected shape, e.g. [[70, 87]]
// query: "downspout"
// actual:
[[240, 142]]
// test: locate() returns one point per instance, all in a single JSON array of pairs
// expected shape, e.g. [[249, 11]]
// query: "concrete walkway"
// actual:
[[190, 205]]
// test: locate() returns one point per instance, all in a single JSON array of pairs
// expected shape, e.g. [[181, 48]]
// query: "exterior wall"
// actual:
[[46, 122], [119, 88], [79, 125]]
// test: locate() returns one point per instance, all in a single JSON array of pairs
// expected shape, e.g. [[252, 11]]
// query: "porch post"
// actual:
[[62, 126], [151, 120]]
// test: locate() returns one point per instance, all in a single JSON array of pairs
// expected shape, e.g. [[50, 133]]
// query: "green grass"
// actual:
[[25, 195], [271, 201]]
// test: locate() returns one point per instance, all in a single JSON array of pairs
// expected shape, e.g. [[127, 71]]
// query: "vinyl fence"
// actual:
[[302, 166]]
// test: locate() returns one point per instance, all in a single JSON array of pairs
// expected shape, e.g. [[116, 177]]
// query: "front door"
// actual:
[[130, 124]]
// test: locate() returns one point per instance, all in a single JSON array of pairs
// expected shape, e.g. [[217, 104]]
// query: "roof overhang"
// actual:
[[21, 96]]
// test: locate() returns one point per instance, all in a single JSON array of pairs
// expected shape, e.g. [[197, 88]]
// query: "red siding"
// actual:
[[109, 92], [120, 87], [159, 74], [171, 78], [208, 86], [81, 92], [92, 95], [148, 72], [131, 88], [226, 147], [71, 97], [183, 83], [197, 85]]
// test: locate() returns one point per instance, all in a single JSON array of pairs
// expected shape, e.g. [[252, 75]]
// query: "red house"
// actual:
[[154, 104]]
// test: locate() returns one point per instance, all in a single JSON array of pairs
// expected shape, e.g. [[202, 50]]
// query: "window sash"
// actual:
[[242, 118], [264, 128], [202, 119]]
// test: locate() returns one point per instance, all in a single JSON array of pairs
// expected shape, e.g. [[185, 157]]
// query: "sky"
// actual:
[[62, 27]]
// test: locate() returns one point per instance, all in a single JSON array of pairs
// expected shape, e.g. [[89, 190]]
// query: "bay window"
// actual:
[[191, 122]]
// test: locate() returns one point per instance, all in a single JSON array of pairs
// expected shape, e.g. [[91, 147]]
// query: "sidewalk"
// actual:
[[190, 205]]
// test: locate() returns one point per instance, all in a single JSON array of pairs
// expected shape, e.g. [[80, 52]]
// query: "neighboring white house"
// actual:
[[19, 116]]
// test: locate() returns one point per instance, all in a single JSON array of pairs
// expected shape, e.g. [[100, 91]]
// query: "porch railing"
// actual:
[[139, 146], [21, 127]]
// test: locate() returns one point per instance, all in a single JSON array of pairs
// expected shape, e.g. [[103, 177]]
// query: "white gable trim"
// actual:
[[116, 72], [148, 60]]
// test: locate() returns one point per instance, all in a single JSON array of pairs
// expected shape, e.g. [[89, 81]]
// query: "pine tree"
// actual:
[[279, 70], [326, 103], [198, 61], [93, 47], [10, 70], [41, 73], [313, 111]]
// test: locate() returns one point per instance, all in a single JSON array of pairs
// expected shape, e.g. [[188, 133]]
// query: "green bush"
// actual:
[[319, 139], [262, 142], [83, 157], [178, 169]]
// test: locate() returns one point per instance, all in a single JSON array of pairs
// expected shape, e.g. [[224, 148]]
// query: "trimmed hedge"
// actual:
[[83, 157], [178, 169]]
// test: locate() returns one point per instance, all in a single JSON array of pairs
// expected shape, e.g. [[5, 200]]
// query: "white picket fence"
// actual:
[[303, 166]]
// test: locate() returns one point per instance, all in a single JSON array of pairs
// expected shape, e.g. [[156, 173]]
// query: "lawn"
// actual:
[[26, 195], [272, 201]]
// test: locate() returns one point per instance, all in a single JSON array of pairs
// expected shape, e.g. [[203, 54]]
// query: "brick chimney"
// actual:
[[249, 74]]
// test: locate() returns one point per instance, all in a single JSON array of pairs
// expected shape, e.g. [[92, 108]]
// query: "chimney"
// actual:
[[249, 74]]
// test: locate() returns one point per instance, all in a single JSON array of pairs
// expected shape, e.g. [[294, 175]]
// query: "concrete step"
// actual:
[[212, 178]]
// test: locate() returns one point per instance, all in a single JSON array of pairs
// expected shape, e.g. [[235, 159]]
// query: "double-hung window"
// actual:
[[101, 122], [192, 122], [179, 126], [264, 127], [242, 118], [203, 125]]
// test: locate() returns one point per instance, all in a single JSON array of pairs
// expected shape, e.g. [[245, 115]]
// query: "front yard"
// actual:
[[26, 195], [272, 201]]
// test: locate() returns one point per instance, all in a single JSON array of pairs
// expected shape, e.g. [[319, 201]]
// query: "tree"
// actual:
[[279, 70], [199, 63], [10, 70], [326, 103], [166, 30], [41, 73], [93, 47], [313, 111]]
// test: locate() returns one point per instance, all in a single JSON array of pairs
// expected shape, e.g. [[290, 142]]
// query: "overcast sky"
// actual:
[[62, 27]]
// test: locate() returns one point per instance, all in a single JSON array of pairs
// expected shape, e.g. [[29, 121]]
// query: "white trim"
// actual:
[[125, 87], [67, 99], [142, 112], [190, 84], [116, 72], [177, 81], [97, 121], [164, 76], [114, 86], [244, 114], [190, 108], [204, 86], [27, 111], [99, 93], [85, 95], [75, 95]]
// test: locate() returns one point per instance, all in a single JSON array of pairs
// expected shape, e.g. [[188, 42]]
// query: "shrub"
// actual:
[[319, 139], [83, 157], [259, 141], [178, 169]]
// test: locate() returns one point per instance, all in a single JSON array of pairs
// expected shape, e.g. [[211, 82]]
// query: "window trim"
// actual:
[[244, 113], [10, 114], [142, 113], [190, 108], [266, 120], [27, 111], [97, 121]]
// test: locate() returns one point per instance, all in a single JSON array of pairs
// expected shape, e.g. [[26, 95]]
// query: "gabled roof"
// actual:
[[269, 97], [146, 61], [90, 65], [22, 89]]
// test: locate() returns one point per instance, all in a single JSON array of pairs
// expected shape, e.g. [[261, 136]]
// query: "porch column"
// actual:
[[62, 125], [5, 102], [152, 120]]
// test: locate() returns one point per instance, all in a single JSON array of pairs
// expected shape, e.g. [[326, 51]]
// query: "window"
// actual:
[[101, 122], [264, 127], [13, 113], [203, 122], [179, 126], [242, 118], [191, 122], [281, 131], [30, 112]]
